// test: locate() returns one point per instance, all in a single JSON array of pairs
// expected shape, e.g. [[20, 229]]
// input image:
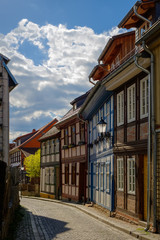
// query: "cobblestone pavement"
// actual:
[[49, 220]]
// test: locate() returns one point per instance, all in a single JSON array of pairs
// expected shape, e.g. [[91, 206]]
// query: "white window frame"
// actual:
[[108, 166], [102, 176], [97, 176], [131, 181], [52, 175], [120, 108], [144, 98], [120, 174], [131, 103]]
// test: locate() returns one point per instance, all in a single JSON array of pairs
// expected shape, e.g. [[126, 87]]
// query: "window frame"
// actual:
[[131, 103], [120, 108], [120, 174], [131, 175], [73, 134], [82, 132], [66, 138], [145, 81], [73, 179], [108, 173], [66, 174]]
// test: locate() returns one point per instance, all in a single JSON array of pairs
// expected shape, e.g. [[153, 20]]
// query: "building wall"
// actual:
[[74, 162], [101, 158], [50, 169], [131, 134]]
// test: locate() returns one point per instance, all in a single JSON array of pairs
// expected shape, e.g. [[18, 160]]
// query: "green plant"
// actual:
[[32, 165]]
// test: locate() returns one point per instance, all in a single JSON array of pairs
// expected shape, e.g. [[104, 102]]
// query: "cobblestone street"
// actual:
[[49, 220]]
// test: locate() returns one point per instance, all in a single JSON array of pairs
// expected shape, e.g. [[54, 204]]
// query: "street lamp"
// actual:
[[101, 127]]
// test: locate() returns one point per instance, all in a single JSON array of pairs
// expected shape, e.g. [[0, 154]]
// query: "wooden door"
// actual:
[[82, 188]]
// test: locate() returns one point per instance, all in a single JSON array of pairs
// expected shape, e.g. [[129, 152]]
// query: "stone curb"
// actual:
[[131, 233]]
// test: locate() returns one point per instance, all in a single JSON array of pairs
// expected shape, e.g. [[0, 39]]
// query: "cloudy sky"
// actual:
[[53, 45]]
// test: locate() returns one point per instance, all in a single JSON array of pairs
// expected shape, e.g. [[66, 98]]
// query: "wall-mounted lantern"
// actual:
[[101, 127]]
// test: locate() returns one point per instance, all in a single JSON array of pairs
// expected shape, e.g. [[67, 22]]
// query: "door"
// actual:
[[82, 181]]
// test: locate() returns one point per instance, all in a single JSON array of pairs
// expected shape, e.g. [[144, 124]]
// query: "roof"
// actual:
[[130, 20], [28, 151], [39, 132], [95, 99], [72, 113], [25, 135], [111, 40], [69, 115], [80, 97], [52, 132], [12, 81]]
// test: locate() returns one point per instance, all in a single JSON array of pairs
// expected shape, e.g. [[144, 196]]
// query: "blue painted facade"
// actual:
[[101, 161], [100, 149]]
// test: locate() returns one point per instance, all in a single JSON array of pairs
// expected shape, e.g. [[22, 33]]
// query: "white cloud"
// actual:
[[46, 88]]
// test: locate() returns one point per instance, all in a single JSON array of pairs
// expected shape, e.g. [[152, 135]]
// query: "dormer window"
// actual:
[[74, 106]]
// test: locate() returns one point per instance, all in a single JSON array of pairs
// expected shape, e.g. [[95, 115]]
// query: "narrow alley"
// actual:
[[49, 220]]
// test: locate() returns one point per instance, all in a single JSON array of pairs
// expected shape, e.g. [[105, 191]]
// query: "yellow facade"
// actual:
[[145, 187]]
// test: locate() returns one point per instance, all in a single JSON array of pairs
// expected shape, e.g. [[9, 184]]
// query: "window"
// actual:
[[52, 146], [97, 176], [131, 103], [66, 136], [73, 134], [47, 176], [120, 174], [108, 177], [120, 108], [67, 174], [52, 175], [82, 132], [43, 148], [131, 175], [48, 146], [74, 174], [144, 97], [56, 145], [102, 176], [91, 132], [108, 114]]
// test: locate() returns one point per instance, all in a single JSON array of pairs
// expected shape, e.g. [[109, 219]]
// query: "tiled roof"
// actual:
[[71, 113], [53, 131]]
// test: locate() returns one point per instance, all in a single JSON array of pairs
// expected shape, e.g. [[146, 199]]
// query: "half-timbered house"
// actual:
[[119, 74], [144, 16], [74, 153], [50, 178], [99, 107]]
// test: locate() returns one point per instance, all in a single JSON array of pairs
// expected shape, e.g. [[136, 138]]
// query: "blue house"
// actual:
[[99, 105]]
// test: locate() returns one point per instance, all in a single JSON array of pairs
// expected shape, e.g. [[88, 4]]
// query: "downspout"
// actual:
[[149, 141], [141, 17], [152, 123], [154, 137], [91, 81]]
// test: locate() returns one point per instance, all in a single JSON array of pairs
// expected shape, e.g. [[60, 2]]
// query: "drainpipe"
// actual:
[[154, 137], [152, 123], [149, 141], [91, 81], [141, 17]]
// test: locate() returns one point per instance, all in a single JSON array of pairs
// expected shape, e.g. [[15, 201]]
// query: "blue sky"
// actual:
[[53, 46]]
